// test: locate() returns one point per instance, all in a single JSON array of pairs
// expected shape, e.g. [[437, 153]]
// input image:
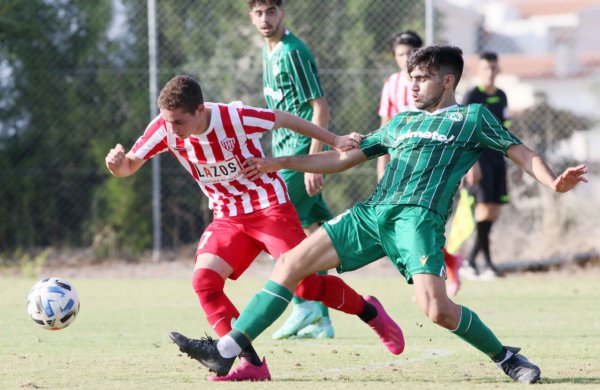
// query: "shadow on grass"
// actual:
[[571, 380]]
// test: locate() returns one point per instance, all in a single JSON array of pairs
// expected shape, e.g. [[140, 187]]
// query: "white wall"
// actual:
[[588, 33], [460, 26]]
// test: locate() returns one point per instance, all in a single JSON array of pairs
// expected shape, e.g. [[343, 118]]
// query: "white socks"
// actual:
[[509, 354], [227, 347]]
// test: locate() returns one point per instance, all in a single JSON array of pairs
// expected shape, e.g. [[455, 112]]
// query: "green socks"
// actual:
[[296, 300], [475, 332], [264, 308]]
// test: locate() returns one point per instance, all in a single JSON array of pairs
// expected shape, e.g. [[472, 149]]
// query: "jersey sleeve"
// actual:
[[305, 75], [153, 141], [256, 121], [378, 142], [493, 135]]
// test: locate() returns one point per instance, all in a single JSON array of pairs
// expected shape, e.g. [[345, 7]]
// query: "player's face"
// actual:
[[488, 70], [268, 19], [181, 123], [427, 88], [401, 53]]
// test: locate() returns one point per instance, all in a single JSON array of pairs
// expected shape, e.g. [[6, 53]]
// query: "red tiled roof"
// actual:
[[528, 8], [529, 66]]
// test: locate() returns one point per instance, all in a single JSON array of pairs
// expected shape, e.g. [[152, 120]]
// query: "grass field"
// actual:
[[120, 340]]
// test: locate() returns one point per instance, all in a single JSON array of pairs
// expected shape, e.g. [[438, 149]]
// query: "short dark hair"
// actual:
[[407, 37], [253, 3], [443, 58], [181, 92], [489, 56]]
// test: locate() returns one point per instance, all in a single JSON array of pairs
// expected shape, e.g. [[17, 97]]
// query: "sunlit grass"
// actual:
[[120, 340]]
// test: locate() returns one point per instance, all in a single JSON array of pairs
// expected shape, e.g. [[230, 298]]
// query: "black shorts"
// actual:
[[492, 187]]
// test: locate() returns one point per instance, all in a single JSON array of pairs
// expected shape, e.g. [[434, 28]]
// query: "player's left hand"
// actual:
[[314, 183], [570, 178], [343, 143], [255, 167]]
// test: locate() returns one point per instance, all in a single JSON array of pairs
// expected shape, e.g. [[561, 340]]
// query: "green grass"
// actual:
[[120, 340]]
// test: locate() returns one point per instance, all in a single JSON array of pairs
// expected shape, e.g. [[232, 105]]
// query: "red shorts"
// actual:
[[238, 240]]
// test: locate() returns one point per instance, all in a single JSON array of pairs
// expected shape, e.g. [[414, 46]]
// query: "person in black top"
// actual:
[[491, 191]]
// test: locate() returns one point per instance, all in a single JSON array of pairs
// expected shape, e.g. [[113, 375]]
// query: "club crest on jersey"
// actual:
[[228, 144], [455, 116]]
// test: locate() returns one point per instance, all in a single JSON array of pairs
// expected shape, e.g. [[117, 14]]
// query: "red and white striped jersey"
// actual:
[[396, 96], [214, 158]]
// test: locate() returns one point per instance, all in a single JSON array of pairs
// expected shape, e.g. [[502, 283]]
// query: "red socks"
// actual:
[[218, 308], [332, 291]]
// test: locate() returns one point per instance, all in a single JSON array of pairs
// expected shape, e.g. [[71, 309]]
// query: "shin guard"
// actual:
[[219, 310], [332, 291]]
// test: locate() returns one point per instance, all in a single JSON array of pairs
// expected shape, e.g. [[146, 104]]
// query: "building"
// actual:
[[547, 48]]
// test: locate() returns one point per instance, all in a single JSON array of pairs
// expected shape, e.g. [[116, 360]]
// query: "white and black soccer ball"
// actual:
[[53, 303]]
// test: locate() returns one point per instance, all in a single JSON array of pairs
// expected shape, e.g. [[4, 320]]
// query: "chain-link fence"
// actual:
[[74, 82]]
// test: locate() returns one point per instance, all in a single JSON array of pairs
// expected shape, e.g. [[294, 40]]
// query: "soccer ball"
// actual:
[[53, 303]]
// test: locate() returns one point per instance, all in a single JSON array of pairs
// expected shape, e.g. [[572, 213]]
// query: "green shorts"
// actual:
[[411, 236], [311, 209]]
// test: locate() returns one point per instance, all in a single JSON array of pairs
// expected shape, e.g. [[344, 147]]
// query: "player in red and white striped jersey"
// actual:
[[212, 141], [213, 158], [396, 96]]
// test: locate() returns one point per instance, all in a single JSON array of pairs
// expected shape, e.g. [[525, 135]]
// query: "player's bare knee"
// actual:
[[286, 270], [440, 315], [287, 265]]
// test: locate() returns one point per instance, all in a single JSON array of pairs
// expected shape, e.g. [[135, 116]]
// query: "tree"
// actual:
[[44, 148]]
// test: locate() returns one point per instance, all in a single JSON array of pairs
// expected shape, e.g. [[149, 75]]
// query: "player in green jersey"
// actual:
[[291, 83], [430, 151]]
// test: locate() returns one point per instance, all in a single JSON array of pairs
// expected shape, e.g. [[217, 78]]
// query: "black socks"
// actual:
[[368, 313]]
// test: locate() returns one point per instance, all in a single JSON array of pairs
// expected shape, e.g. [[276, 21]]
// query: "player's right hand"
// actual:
[[115, 157], [255, 167], [570, 178], [344, 143]]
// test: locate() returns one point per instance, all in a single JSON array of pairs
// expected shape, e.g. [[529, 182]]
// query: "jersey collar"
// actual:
[[278, 45], [439, 111], [213, 120]]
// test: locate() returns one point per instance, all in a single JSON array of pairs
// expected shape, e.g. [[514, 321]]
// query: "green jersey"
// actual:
[[290, 81], [430, 153]]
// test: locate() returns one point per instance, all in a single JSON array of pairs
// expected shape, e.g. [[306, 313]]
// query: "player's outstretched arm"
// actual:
[[330, 161], [534, 165], [314, 182], [309, 129], [121, 164]]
